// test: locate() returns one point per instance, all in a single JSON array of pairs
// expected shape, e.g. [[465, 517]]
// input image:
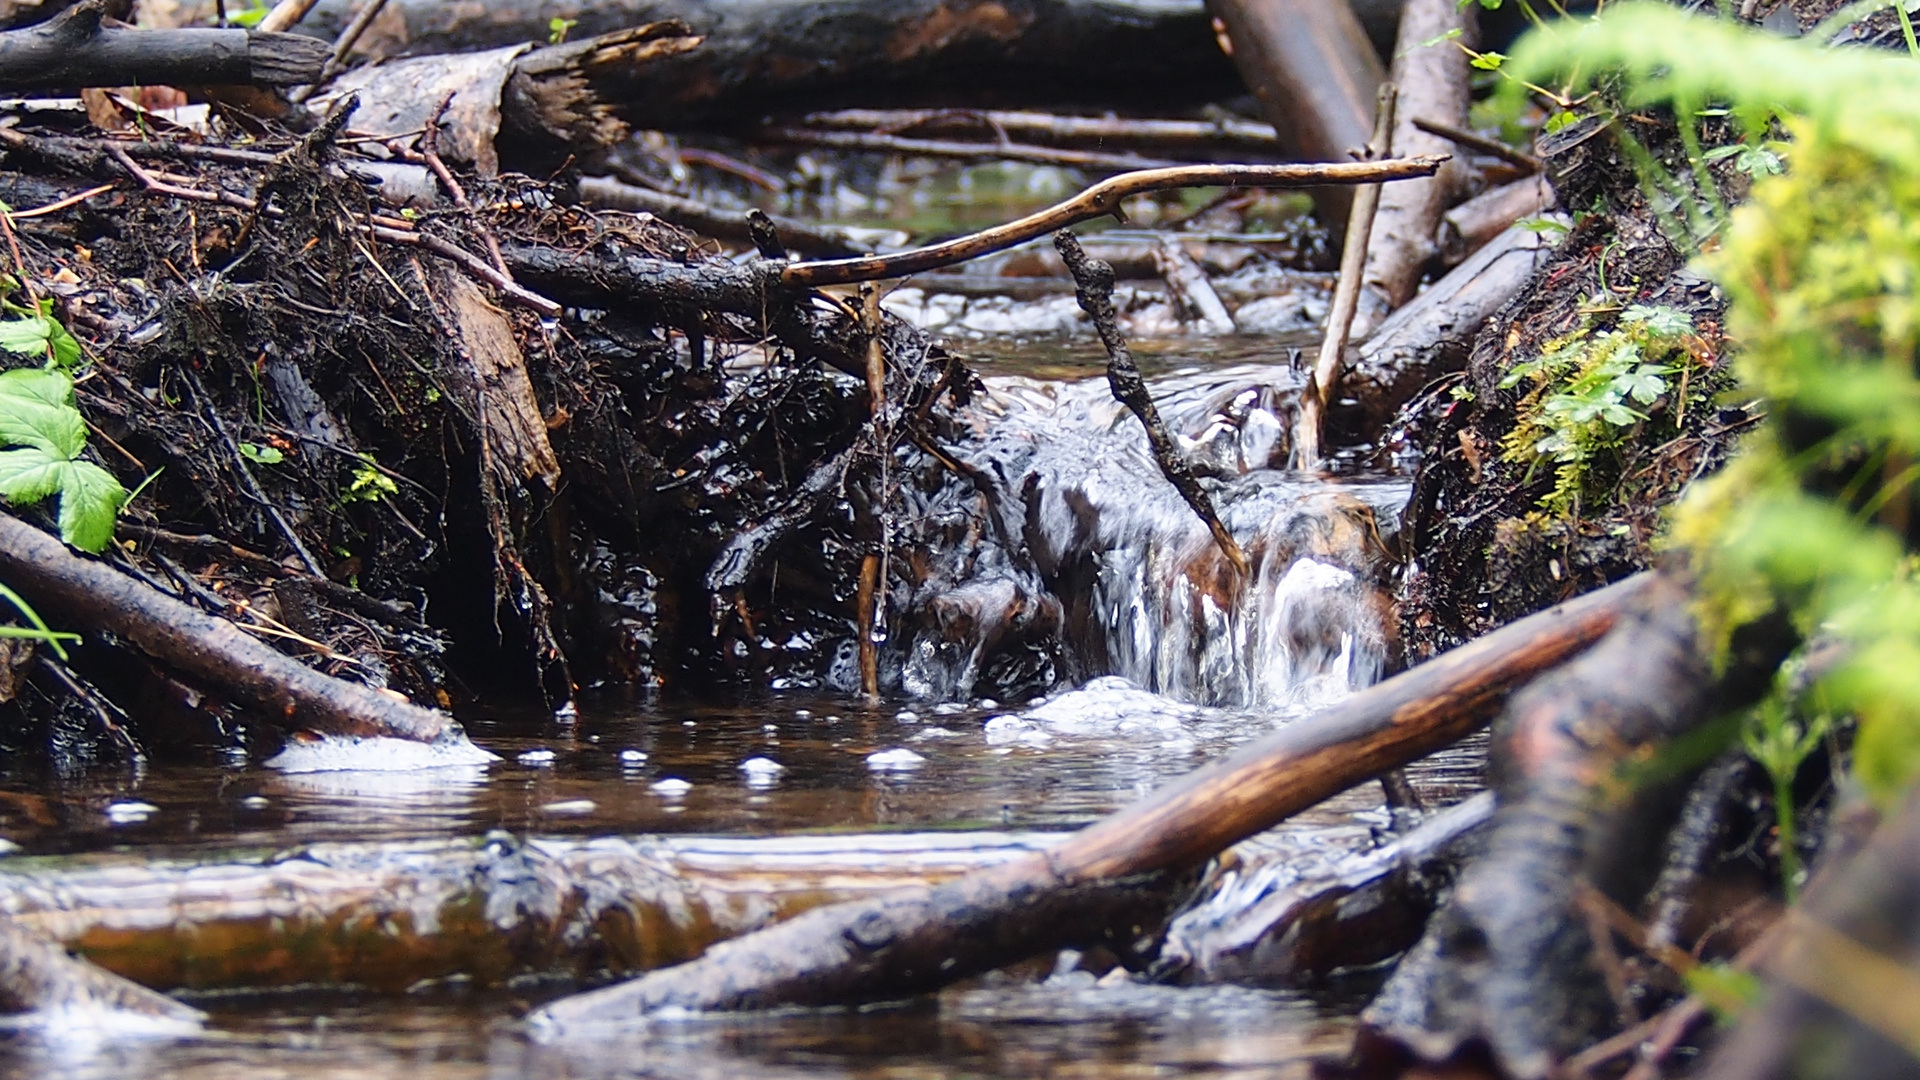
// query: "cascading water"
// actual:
[[1129, 580]]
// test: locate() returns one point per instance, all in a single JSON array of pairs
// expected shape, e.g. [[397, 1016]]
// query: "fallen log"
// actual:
[[87, 594], [1433, 334], [770, 57], [383, 916], [1510, 962], [917, 941], [1310, 66], [76, 50], [821, 240], [1430, 73]]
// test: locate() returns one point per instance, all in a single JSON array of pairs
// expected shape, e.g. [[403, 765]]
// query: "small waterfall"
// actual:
[[1129, 582]]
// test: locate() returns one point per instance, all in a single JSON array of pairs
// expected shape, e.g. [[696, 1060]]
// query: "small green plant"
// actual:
[[558, 28], [369, 484], [37, 415], [39, 630], [1589, 392], [251, 15], [39, 334], [262, 455], [1781, 742]]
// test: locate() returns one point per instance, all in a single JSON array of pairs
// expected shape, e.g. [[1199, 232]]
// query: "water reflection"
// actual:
[[1070, 1026]]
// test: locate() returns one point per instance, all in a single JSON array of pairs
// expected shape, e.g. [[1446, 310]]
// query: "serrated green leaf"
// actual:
[[36, 410], [1489, 61], [30, 334], [28, 475], [90, 499], [66, 348]]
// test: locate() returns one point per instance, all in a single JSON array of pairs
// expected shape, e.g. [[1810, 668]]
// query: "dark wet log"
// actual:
[[85, 594], [1097, 161], [1301, 928], [384, 916], [919, 941], [777, 57], [1313, 71], [75, 50], [1430, 73], [1843, 978], [37, 975], [1509, 962], [1434, 334]]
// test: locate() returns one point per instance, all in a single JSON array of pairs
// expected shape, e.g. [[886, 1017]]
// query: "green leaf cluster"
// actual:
[[1821, 268], [1587, 392], [38, 417]]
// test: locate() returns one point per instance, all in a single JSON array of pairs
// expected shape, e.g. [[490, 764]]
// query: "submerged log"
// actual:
[[87, 594], [384, 916], [75, 50], [914, 942], [37, 975]]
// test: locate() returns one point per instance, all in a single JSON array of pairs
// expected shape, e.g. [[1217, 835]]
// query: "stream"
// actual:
[[808, 790]]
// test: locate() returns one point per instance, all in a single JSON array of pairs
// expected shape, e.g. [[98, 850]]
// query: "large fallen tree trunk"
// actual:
[[74, 50], [1067, 895], [774, 57], [90, 595]]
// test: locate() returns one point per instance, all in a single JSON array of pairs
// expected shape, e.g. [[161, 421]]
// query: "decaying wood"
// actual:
[[530, 104], [1093, 287], [84, 594], [1430, 72], [1510, 961], [383, 916], [778, 58], [37, 975], [918, 941], [1313, 71], [76, 49], [494, 385], [1433, 334], [1186, 281]]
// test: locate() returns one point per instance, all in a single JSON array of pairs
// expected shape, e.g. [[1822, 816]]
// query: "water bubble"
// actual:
[[894, 760], [671, 788], [538, 759], [633, 757], [569, 806], [130, 812]]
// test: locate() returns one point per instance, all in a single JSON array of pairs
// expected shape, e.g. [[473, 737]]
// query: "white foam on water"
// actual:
[[894, 760], [337, 753]]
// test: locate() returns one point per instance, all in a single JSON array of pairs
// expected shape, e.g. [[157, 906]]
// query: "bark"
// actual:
[[76, 50], [1315, 75], [823, 240], [386, 915], [1434, 334], [919, 941], [1509, 962], [1185, 137], [785, 58], [85, 594], [1474, 223], [1432, 84]]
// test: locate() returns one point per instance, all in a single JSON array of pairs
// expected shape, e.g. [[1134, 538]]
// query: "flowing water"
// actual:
[[1174, 663]]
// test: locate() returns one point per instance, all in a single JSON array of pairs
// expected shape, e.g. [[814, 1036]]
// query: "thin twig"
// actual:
[[430, 154], [1100, 200], [60, 204], [1519, 159], [1093, 281], [1307, 435]]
